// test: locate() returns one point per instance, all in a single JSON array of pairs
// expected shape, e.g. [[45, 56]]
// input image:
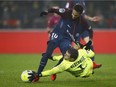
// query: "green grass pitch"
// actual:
[[12, 65]]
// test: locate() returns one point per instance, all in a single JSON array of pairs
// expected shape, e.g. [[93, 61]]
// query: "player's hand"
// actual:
[[96, 19], [34, 77], [43, 13], [88, 45]]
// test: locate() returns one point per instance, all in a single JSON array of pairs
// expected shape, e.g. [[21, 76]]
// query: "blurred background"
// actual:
[[24, 14]]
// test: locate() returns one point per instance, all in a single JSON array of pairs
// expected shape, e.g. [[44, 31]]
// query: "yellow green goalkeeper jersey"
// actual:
[[81, 67]]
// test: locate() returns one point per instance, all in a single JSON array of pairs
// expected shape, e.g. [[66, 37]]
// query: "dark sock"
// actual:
[[45, 57], [43, 63]]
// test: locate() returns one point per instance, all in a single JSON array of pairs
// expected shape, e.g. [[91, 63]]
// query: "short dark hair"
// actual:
[[78, 8], [73, 53]]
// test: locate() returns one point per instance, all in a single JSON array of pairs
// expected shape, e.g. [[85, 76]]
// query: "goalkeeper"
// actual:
[[78, 63]]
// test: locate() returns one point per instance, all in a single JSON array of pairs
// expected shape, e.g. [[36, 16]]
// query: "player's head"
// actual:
[[77, 11], [71, 54]]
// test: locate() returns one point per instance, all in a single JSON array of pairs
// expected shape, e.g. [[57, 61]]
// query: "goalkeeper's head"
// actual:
[[71, 54]]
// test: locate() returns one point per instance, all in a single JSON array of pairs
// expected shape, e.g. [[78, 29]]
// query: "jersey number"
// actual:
[[54, 36]]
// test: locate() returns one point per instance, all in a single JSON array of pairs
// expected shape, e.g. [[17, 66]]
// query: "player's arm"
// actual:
[[93, 19], [57, 58], [50, 72], [58, 11], [58, 69]]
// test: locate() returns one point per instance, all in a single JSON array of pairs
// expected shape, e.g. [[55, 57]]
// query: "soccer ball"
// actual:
[[27, 75]]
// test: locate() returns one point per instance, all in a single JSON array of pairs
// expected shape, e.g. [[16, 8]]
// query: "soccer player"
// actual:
[[88, 34], [59, 36], [76, 62]]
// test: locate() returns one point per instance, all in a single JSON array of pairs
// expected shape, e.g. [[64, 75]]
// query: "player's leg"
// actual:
[[50, 48]]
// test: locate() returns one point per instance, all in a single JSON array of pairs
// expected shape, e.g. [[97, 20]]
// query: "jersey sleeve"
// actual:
[[59, 11], [58, 69], [57, 58]]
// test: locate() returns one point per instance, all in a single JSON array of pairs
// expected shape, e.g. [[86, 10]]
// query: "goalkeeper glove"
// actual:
[[34, 77], [88, 45]]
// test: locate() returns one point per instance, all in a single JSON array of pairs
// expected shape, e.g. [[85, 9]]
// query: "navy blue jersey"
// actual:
[[68, 25], [82, 30]]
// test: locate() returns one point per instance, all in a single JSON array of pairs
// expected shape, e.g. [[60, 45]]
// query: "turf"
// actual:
[[12, 65]]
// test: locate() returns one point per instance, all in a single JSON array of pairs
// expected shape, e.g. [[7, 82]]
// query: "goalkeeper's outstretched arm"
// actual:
[[57, 58]]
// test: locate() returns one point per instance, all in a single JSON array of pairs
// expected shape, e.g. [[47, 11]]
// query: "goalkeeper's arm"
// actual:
[[57, 58], [51, 71], [63, 66]]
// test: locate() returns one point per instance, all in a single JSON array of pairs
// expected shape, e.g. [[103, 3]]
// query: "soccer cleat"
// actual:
[[96, 65], [53, 77]]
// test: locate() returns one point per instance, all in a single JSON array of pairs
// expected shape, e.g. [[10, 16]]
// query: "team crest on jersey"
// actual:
[[61, 10]]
